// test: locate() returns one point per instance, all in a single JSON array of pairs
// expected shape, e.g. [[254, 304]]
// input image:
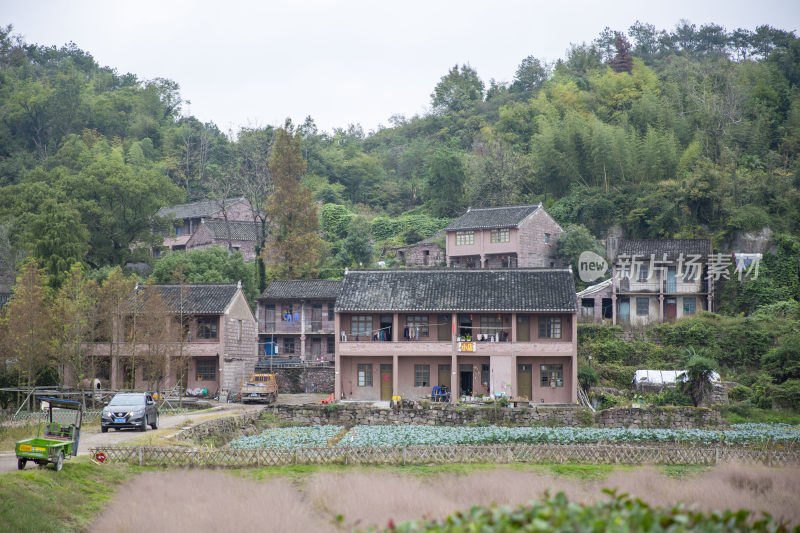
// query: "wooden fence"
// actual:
[[407, 455]]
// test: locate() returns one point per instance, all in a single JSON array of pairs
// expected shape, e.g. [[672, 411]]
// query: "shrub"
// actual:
[[587, 377], [787, 394], [670, 396], [740, 393], [618, 376]]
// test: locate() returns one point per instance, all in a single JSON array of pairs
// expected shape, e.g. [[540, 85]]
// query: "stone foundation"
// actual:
[[304, 380]]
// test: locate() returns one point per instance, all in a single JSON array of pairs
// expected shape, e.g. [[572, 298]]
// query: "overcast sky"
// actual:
[[343, 62]]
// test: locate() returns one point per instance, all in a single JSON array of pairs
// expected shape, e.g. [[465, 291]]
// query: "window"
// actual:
[[465, 237], [417, 321], [499, 235], [587, 307], [286, 312], [422, 375], [549, 327], [316, 347], [239, 331], [178, 231], [207, 327], [361, 326], [492, 325], [547, 238], [365, 375], [485, 375], [331, 345], [288, 346], [206, 369], [689, 305], [690, 275], [552, 375], [644, 272], [330, 312], [642, 306]]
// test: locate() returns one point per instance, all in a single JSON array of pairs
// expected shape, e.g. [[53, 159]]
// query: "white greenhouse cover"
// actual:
[[663, 377]]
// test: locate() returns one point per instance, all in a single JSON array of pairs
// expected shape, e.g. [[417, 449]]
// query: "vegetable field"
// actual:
[[410, 435]]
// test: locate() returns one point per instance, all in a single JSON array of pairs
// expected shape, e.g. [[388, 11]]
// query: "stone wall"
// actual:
[[350, 415], [305, 380]]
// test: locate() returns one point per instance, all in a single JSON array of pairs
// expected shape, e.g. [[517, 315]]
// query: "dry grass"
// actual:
[[207, 501]]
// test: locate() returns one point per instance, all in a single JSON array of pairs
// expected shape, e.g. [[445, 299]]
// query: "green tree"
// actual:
[[295, 249], [575, 240], [357, 248], [699, 370], [74, 309], [446, 179], [206, 265], [530, 75], [335, 220], [457, 90]]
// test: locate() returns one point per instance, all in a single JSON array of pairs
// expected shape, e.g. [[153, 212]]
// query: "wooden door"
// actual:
[[672, 285], [624, 311], [445, 332], [444, 376], [524, 381], [386, 382], [671, 308], [523, 328]]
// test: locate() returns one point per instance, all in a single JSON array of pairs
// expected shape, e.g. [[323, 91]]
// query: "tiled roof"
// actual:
[[658, 247], [5, 297], [428, 240], [240, 231], [303, 289], [198, 298], [592, 289], [458, 290], [203, 208], [492, 217]]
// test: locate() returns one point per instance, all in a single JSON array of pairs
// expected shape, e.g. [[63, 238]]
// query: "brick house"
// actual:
[[215, 232], [220, 345], [659, 280], [425, 253], [477, 332], [296, 319], [595, 303], [503, 237], [189, 217]]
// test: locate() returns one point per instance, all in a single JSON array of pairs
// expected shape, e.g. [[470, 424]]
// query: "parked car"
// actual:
[[130, 410]]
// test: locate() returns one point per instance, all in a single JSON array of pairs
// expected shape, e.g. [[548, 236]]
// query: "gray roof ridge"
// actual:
[[460, 270], [505, 207]]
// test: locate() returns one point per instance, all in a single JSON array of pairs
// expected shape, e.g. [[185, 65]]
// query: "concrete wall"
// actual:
[[414, 255], [532, 249], [240, 339], [547, 394]]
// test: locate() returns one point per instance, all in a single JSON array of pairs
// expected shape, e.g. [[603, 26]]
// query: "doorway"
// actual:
[[465, 379], [524, 381], [464, 325], [607, 308], [523, 328], [671, 307], [444, 376], [316, 318], [672, 285], [386, 383], [385, 333], [624, 310]]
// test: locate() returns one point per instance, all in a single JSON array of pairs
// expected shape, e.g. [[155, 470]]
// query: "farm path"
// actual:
[[91, 437]]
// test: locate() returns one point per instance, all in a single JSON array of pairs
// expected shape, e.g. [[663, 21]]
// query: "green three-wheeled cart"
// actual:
[[61, 436]]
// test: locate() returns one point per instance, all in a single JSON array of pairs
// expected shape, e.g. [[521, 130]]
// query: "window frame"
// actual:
[[331, 315], [501, 235], [412, 321], [550, 327], [204, 368], [644, 273], [289, 341], [545, 372], [639, 300], [693, 300], [361, 321], [208, 328], [465, 238], [364, 375], [422, 375]]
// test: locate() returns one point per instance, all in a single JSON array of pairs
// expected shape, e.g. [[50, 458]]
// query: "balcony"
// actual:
[[444, 348]]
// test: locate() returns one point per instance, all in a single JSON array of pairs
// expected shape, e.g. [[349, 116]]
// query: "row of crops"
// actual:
[[410, 435]]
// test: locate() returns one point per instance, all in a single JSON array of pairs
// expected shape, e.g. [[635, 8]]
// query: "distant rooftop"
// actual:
[[493, 217], [508, 290], [240, 231], [673, 248], [203, 208], [198, 298], [303, 289]]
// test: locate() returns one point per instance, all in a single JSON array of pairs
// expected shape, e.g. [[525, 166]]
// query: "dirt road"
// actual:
[[167, 425]]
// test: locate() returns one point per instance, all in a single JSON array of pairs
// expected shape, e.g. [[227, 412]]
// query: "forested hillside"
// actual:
[[688, 132]]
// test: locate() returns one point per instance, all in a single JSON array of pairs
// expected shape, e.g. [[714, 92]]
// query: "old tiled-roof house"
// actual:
[[425, 253], [189, 217], [503, 237], [659, 280], [214, 232], [296, 319], [220, 338], [475, 332]]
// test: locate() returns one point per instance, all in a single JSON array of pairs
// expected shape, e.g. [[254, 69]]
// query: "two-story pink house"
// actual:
[[503, 237], [189, 217], [475, 332], [659, 280], [242, 236], [296, 319], [219, 346]]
